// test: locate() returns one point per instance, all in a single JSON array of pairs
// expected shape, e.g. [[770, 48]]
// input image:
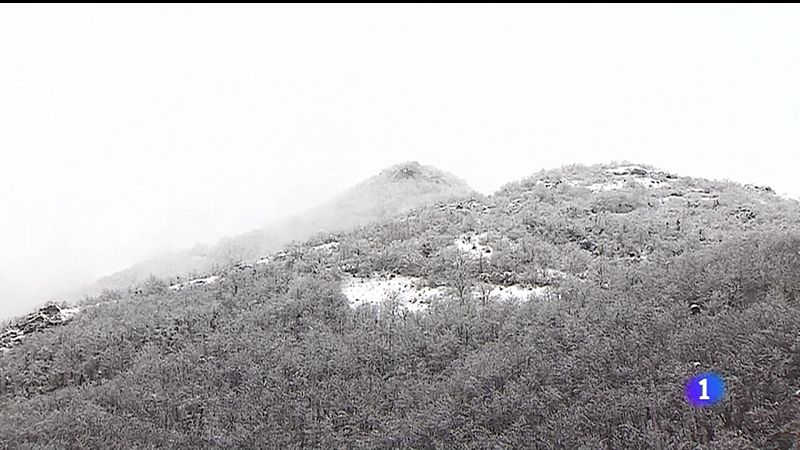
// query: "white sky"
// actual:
[[129, 130]]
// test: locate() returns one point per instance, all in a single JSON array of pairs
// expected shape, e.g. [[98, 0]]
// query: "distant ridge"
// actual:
[[394, 190]]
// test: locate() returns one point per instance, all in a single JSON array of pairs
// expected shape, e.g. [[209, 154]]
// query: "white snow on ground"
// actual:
[[506, 293], [330, 247], [555, 274], [207, 280], [412, 294], [68, 313], [473, 246], [674, 200], [13, 334], [275, 257], [626, 170], [648, 182], [408, 291], [607, 186], [636, 174]]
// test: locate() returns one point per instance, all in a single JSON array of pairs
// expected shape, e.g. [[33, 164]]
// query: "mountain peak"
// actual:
[[411, 169], [414, 171]]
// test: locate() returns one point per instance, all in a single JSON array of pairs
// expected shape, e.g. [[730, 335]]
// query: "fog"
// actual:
[[126, 131]]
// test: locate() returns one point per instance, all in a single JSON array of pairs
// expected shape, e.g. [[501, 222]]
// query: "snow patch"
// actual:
[[636, 174], [207, 280], [555, 274], [607, 186], [274, 257], [648, 182], [409, 292], [628, 170], [329, 247], [472, 245], [412, 294], [69, 313], [524, 293]]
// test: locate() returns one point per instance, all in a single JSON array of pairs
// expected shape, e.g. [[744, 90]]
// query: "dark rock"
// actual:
[[744, 213], [407, 171], [551, 184], [756, 187], [44, 318], [426, 250], [635, 171], [587, 245]]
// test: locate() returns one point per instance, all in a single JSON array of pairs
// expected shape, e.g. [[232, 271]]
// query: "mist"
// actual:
[[128, 131]]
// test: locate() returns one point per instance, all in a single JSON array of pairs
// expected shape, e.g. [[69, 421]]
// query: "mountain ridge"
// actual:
[[604, 180], [473, 322], [389, 193]]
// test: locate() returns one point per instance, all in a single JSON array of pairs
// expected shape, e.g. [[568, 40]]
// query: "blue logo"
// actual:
[[704, 390]]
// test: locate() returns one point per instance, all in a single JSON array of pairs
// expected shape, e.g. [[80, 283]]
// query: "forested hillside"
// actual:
[[398, 335]]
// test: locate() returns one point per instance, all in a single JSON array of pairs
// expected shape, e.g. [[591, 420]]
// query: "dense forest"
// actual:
[[273, 355]]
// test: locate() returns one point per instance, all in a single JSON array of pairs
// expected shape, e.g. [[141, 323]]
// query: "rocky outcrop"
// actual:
[[551, 184], [743, 213], [465, 206], [628, 170], [409, 170], [412, 171], [46, 317], [754, 187]]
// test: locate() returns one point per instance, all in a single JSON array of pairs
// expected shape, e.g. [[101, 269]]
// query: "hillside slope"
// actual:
[[552, 314], [394, 190]]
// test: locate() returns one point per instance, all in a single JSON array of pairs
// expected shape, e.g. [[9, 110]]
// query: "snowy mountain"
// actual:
[[393, 191], [564, 311]]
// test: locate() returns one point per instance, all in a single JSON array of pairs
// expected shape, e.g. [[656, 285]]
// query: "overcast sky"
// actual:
[[129, 130]]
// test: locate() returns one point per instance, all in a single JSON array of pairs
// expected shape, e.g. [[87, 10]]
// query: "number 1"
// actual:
[[704, 384]]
